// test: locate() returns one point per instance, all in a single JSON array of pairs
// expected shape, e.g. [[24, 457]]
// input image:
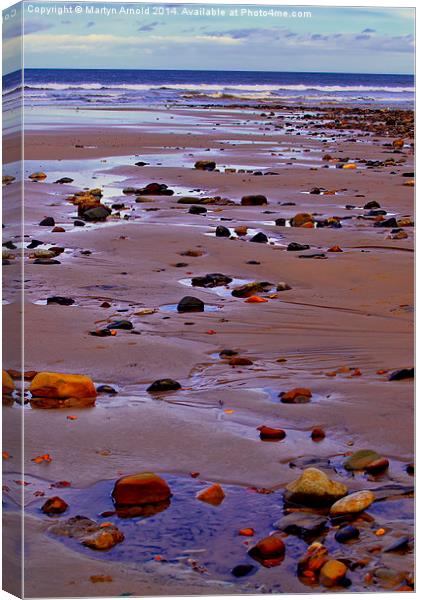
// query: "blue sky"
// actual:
[[342, 39]]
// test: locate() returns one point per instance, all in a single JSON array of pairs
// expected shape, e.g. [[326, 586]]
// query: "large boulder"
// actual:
[[302, 220], [140, 488], [314, 488], [62, 386]]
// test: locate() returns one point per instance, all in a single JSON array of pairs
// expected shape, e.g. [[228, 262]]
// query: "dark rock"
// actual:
[[106, 389], [227, 353], [9, 245], [375, 212], [101, 333], [313, 255], [46, 261], [141, 164], [250, 289], [62, 300], [78, 223], [346, 534], [242, 570], [222, 231], [399, 545], [34, 244], [260, 238], [190, 304], [205, 165], [54, 506], [295, 247], [254, 200], [197, 210], [211, 280], [123, 324], [402, 374], [280, 222], [304, 525], [371, 204], [315, 190], [164, 385], [47, 222], [386, 223], [99, 213], [64, 180]]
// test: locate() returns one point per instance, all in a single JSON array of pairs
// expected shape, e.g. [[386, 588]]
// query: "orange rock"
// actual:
[[301, 219], [350, 166], [255, 299], [61, 386], [239, 361], [270, 433], [7, 383], [38, 176], [212, 495], [270, 551], [246, 532], [398, 144], [313, 560], [241, 230], [317, 434], [308, 225], [335, 249], [296, 395], [54, 506], [332, 573], [139, 489]]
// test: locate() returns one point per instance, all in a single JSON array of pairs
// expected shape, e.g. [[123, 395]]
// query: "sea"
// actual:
[[157, 88]]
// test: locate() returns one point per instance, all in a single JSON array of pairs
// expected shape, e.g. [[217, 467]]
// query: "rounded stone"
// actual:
[[140, 488], [314, 487], [190, 304], [354, 503]]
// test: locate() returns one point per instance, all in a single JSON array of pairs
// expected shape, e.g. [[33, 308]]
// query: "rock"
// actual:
[[106, 389], [242, 570], [62, 386], [141, 163], [211, 280], [270, 433], [317, 434], [335, 248], [401, 374], [190, 200], [366, 460], [190, 304], [296, 396], [255, 300], [254, 200], [247, 532], [123, 324], [104, 539], [226, 353], [139, 489], [240, 361], [38, 176], [332, 573], [164, 385], [8, 179], [315, 190], [314, 488], [62, 300], [304, 525], [99, 213], [399, 545], [301, 220], [241, 230], [269, 551], [371, 204], [249, 289], [101, 333], [64, 180], [222, 231], [260, 238], [54, 506], [78, 223], [346, 534], [8, 384], [154, 189], [280, 222], [197, 210], [212, 495], [205, 165], [387, 577], [313, 560], [281, 286], [47, 222], [354, 503], [398, 144], [295, 247], [386, 223], [46, 261]]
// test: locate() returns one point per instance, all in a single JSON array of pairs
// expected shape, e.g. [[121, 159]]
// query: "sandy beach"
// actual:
[[335, 318]]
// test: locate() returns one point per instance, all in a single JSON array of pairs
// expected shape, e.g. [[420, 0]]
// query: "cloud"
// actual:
[[148, 26], [90, 24], [35, 26]]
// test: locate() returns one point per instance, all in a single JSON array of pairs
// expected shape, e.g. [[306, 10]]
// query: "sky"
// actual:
[[330, 39]]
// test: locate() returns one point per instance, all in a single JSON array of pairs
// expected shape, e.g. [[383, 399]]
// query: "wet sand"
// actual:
[[350, 309]]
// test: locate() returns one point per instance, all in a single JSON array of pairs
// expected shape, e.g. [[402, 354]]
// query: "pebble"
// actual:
[[222, 231], [281, 222], [190, 304], [254, 200], [104, 539], [123, 324], [47, 222], [332, 573], [38, 176], [205, 165], [399, 545], [346, 534], [211, 280], [296, 247], [242, 570], [106, 389], [302, 219], [62, 300], [401, 374], [197, 210], [64, 180], [296, 396], [314, 488], [317, 434], [313, 560], [269, 548], [371, 204], [386, 223], [304, 525], [241, 230], [249, 289], [260, 238], [281, 286], [139, 489], [271, 433], [54, 506], [226, 353], [354, 503], [366, 460], [212, 495], [164, 385], [88, 532]]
